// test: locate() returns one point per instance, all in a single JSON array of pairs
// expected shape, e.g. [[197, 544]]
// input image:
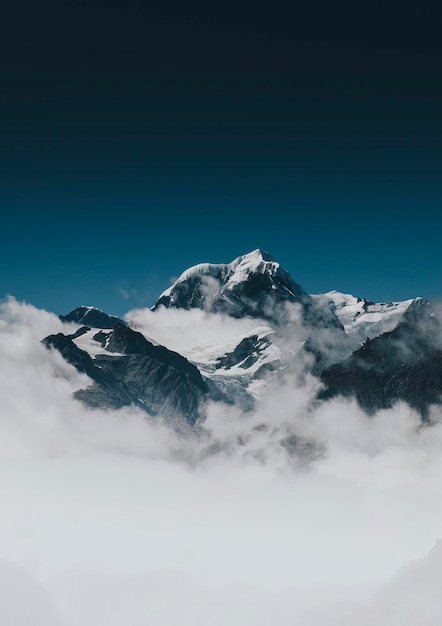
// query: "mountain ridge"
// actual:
[[350, 343]]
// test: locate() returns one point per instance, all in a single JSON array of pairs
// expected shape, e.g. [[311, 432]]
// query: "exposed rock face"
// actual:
[[135, 371], [245, 354], [107, 391], [127, 341]]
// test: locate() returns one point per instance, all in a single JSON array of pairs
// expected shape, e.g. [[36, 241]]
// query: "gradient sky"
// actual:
[[136, 141]]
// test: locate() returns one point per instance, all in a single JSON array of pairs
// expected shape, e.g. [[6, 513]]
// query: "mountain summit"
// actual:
[[253, 285], [93, 317]]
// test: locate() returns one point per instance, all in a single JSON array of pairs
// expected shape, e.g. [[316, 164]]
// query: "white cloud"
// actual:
[[114, 519], [183, 331], [23, 600]]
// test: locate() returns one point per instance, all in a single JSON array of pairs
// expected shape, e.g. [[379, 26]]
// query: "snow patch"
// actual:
[[361, 318]]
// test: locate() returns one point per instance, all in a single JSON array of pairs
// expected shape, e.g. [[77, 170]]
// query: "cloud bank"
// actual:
[[294, 513]]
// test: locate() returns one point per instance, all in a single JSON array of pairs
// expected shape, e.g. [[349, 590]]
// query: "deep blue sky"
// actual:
[[136, 141]]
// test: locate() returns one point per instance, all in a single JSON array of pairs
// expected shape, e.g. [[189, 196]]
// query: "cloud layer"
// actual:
[[290, 514]]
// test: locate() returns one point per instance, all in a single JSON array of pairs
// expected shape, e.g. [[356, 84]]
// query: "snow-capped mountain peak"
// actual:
[[251, 285], [232, 273], [259, 262]]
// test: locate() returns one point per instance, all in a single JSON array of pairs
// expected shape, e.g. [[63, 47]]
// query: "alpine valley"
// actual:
[[377, 353]]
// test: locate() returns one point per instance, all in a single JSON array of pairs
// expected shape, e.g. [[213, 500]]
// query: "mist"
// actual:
[[295, 512]]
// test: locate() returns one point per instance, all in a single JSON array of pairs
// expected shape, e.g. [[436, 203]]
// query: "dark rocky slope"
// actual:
[[149, 376], [404, 364]]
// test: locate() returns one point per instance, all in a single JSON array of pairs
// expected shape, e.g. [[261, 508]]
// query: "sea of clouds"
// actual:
[[294, 514]]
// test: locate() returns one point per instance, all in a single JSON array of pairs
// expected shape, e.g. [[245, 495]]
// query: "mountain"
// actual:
[[93, 317], [361, 318], [378, 353], [248, 286], [125, 368], [256, 286], [253, 285], [403, 364]]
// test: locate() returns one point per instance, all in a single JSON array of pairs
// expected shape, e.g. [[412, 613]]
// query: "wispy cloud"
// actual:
[[127, 293]]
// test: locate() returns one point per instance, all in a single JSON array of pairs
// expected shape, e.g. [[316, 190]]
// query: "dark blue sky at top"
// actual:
[[136, 141]]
